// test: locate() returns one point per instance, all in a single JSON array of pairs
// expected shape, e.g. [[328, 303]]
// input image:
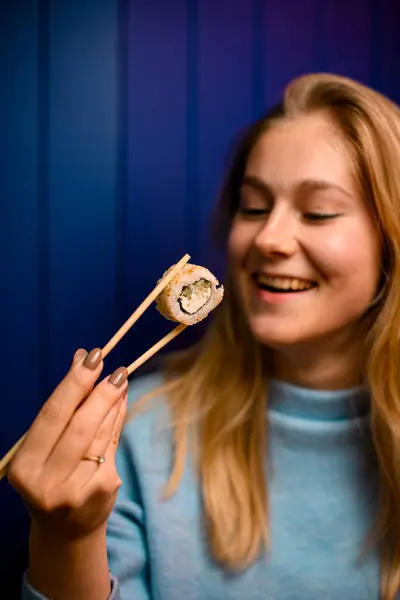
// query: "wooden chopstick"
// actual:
[[5, 461], [160, 344], [144, 306]]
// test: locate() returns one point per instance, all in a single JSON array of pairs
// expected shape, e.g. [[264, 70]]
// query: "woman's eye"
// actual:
[[320, 216], [253, 212]]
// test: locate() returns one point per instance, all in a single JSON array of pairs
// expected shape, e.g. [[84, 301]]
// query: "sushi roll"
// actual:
[[191, 295]]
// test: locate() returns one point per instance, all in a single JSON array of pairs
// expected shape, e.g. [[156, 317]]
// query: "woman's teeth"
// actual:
[[285, 284]]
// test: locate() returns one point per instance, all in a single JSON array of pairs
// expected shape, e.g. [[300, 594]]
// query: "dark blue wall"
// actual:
[[115, 118]]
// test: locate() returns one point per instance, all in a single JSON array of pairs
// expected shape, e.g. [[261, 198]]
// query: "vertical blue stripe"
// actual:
[[156, 223], [43, 113], [192, 199], [192, 129], [18, 265], [122, 71], [82, 179], [226, 79], [376, 44], [259, 74], [290, 44], [320, 47], [348, 38]]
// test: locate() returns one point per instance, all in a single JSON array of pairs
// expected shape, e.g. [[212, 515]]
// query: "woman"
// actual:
[[282, 464]]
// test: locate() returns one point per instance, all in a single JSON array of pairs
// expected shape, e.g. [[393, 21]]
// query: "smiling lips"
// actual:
[[283, 284]]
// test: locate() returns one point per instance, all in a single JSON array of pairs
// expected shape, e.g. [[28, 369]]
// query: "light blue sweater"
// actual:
[[323, 495]]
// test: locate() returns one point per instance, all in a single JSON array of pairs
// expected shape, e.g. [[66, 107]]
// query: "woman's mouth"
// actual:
[[283, 285]]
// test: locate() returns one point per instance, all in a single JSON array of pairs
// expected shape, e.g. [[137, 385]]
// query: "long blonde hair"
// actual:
[[217, 389]]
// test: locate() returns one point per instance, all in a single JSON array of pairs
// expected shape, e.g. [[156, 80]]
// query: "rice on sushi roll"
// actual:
[[191, 295]]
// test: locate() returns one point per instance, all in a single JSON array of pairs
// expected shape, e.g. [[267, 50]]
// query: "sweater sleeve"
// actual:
[[126, 539], [29, 593]]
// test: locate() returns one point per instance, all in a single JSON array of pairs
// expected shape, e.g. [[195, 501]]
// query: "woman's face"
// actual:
[[303, 247]]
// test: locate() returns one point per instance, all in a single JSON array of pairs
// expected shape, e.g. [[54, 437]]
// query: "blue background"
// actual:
[[115, 120]]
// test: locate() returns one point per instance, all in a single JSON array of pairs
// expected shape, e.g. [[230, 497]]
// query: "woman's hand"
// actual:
[[70, 498]]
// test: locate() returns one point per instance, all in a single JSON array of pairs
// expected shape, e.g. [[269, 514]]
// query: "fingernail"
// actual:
[[93, 359], [79, 354], [119, 377]]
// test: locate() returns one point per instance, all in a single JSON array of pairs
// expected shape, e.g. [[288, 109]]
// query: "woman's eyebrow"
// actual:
[[256, 183], [306, 185], [316, 185]]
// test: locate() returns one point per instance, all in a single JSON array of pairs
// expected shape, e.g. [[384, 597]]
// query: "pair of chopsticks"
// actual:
[[5, 461]]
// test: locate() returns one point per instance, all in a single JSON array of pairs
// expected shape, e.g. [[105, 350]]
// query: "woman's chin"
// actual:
[[279, 336], [277, 342]]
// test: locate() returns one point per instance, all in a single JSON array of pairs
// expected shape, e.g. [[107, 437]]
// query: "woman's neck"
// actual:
[[319, 368]]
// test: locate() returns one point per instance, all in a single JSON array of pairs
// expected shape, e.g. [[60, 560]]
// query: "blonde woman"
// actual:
[[267, 462]]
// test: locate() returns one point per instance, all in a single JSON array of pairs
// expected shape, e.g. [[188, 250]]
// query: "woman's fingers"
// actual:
[[105, 479], [56, 413], [101, 443], [85, 424], [117, 429]]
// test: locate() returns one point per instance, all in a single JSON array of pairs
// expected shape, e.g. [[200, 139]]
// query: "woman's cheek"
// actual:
[[346, 254], [332, 257]]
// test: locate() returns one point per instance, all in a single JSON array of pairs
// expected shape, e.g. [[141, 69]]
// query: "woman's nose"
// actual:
[[278, 236]]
